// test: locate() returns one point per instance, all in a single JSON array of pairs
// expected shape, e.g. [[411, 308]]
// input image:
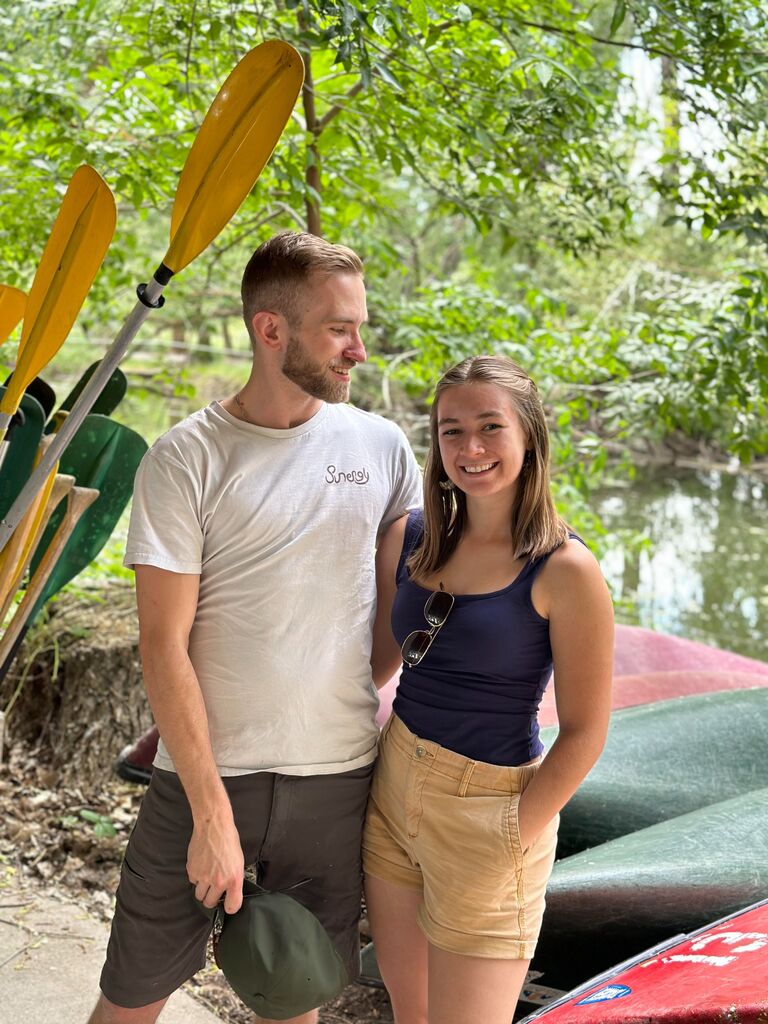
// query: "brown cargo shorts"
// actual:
[[293, 829], [447, 825]]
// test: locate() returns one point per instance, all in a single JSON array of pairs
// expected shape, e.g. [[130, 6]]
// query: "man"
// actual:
[[252, 534]]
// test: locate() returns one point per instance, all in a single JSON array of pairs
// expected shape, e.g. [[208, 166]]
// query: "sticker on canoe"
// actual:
[[739, 942], [605, 994]]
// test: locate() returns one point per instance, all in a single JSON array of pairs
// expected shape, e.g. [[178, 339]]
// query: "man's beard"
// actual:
[[310, 377]]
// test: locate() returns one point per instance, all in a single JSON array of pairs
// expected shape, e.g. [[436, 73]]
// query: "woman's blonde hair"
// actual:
[[535, 526]]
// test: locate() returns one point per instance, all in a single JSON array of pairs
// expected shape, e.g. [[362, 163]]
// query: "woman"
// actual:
[[479, 596]]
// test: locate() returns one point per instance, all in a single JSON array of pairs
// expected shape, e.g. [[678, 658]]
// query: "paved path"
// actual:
[[51, 954]]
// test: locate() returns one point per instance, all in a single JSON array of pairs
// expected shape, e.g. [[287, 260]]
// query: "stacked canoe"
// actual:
[[717, 975], [668, 833], [648, 667]]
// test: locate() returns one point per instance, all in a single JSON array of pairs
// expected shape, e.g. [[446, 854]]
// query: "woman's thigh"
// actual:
[[401, 947], [467, 989], [428, 985]]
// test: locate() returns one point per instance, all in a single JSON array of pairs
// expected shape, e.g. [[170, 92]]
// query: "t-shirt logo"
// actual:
[[353, 476]]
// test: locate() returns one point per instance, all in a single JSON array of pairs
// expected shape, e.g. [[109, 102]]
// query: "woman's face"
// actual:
[[482, 442]]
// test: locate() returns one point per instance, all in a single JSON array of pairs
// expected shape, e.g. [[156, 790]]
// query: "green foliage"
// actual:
[[485, 158], [101, 824]]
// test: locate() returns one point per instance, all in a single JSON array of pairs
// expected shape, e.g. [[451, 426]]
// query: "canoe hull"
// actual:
[[630, 691], [666, 759], [611, 902], [649, 666], [716, 974]]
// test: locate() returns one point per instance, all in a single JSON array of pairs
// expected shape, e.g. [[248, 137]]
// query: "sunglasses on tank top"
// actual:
[[436, 611]]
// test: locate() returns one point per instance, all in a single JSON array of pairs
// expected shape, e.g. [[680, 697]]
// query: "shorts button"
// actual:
[[420, 751]]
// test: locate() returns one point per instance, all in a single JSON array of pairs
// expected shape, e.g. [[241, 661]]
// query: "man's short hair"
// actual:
[[277, 270]]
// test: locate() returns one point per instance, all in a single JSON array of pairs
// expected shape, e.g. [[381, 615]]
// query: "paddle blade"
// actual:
[[23, 438], [73, 254], [104, 455], [12, 302], [40, 390], [235, 140], [110, 397]]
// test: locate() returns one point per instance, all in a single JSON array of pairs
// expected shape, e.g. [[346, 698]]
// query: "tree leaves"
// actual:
[[452, 139], [619, 14]]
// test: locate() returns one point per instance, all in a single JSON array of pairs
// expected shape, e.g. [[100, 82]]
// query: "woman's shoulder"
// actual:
[[571, 574], [569, 569], [571, 558]]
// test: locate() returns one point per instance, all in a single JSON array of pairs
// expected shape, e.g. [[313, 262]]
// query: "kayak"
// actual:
[[648, 666], [665, 759], [615, 900], [715, 975]]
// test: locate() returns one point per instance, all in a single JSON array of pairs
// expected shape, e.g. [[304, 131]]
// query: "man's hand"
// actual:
[[215, 864]]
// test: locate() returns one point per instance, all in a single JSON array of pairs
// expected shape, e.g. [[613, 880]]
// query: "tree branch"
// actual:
[[312, 174], [621, 44], [337, 108]]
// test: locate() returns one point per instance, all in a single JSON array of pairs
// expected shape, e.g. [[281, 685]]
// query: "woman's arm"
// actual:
[[573, 595], [385, 652]]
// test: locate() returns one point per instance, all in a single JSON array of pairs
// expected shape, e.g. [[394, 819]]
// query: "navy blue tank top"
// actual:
[[478, 688]]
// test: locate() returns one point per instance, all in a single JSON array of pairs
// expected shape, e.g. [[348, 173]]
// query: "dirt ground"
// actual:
[[71, 838]]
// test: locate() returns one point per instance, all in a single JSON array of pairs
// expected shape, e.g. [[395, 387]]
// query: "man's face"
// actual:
[[325, 344]]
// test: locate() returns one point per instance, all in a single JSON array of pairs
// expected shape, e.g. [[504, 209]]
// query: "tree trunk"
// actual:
[[670, 135], [312, 174], [75, 690]]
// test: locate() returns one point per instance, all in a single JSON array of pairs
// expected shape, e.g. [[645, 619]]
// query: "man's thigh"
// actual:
[[312, 849], [302, 834], [159, 934]]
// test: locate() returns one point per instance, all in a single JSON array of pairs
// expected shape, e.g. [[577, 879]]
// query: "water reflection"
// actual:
[[703, 573]]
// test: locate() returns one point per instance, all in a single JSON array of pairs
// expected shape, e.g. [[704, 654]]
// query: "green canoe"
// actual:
[[666, 759], [615, 900]]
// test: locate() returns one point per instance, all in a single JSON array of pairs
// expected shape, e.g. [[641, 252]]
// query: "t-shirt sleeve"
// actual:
[[165, 528], [407, 484]]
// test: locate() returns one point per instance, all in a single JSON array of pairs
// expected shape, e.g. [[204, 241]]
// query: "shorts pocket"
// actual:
[[479, 825], [513, 828], [132, 870]]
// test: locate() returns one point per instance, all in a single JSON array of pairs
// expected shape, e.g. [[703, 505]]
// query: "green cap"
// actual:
[[276, 955]]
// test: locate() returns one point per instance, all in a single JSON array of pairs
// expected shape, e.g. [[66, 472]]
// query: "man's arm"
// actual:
[[385, 653], [167, 602]]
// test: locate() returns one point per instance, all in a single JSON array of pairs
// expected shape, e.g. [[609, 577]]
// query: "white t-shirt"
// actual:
[[281, 526]]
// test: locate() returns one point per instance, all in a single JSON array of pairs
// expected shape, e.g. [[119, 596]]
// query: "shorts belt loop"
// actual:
[[464, 784]]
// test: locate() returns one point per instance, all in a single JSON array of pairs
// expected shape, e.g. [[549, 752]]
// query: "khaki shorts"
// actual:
[[447, 825]]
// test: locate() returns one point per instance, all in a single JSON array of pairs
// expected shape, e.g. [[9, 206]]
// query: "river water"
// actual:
[[703, 572]]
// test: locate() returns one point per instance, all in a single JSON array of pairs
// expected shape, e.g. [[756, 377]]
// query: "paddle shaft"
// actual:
[[62, 485], [15, 552], [78, 500], [111, 472], [150, 296]]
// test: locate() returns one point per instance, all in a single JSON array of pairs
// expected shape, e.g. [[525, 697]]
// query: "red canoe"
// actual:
[[651, 666], [640, 650], [714, 975], [629, 691]]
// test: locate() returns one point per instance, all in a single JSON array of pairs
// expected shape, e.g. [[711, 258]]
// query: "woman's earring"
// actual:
[[528, 460], [447, 485]]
